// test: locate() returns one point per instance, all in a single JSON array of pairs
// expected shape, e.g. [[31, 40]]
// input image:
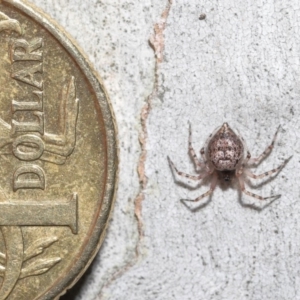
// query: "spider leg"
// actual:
[[243, 189], [255, 161], [202, 152], [247, 159], [197, 162], [212, 187], [193, 177], [269, 173], [241, 169]]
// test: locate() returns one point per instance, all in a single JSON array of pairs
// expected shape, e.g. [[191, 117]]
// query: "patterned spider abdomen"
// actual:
[[225, 149]]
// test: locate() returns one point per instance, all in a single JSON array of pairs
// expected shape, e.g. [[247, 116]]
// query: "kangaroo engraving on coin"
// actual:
[[58, 157]]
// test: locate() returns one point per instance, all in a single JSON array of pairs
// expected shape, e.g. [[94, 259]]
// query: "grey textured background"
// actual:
[[240, 65]]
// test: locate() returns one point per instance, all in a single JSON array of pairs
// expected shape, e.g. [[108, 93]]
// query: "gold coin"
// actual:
[[58, 157]]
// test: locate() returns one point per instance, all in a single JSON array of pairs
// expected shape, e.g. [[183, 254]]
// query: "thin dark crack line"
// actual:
[[157, 44]]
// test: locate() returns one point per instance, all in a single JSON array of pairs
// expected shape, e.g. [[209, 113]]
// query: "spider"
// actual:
[[224, 156]]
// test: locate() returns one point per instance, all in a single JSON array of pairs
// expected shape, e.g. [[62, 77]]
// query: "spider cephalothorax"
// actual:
[[225, 156], [225, 175]]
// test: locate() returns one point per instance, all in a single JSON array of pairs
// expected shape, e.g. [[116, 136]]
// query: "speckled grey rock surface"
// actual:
[[241, 65]]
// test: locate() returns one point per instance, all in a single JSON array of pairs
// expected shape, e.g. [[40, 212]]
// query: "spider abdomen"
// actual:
[[225, 149]]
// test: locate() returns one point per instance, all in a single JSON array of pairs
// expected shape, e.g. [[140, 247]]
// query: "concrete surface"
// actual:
[[241, 65]]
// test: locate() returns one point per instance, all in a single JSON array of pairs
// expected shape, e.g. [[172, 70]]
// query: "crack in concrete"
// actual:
[[156, 41]]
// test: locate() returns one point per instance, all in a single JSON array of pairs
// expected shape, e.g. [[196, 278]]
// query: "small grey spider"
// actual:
[[225, 155]]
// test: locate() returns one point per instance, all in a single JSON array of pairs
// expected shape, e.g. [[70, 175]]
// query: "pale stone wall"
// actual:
[[241, 65]]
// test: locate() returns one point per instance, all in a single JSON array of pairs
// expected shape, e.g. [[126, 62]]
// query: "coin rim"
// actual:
[[96, 239]]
